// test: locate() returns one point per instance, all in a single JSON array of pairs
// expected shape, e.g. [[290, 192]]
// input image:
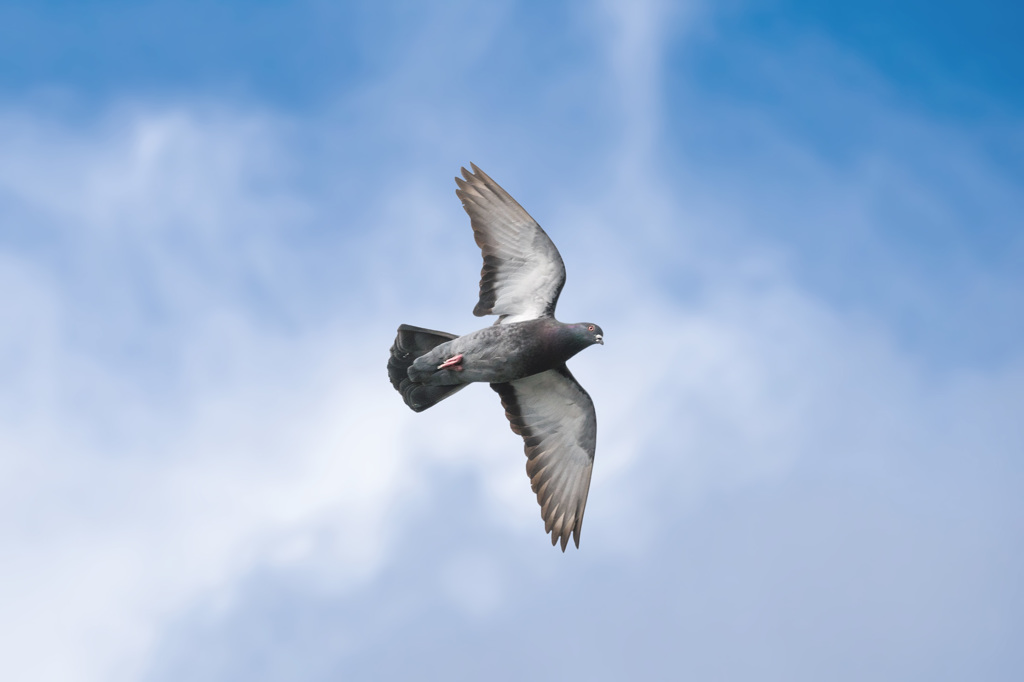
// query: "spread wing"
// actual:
[[556, 419], [523, 273]]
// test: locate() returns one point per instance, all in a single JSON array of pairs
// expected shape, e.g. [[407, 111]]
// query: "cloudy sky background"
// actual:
[[799, 224]]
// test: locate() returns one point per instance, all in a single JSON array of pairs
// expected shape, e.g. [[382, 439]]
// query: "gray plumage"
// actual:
[[522, 355], [523, 273]]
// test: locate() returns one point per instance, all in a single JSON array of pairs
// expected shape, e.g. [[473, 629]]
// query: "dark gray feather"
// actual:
[[410, 343]]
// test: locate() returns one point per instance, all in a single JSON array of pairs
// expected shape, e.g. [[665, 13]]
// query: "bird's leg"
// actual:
[[453, 363]]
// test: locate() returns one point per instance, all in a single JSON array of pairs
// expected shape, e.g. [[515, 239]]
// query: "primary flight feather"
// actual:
[[522, 356]]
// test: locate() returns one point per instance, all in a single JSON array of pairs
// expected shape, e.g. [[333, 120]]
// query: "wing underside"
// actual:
[[523, 273], [556, 419]]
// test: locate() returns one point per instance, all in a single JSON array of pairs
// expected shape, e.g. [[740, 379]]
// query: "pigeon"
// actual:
[[522, 355]]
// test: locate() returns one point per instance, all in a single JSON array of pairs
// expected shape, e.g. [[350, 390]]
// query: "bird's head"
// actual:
[[591, 332]]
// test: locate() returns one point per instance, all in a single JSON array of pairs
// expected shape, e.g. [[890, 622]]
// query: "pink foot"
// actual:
[[453, 363]]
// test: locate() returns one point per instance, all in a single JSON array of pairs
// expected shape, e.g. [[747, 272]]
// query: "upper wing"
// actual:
[[556, 419], [523, 273]]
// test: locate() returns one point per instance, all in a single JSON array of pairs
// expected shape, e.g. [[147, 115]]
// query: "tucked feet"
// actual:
[[453, 363]]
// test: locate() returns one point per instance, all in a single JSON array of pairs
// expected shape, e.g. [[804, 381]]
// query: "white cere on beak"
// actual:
[[599, 339]]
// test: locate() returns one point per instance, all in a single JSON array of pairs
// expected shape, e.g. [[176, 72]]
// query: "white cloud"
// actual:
[[133, 489]]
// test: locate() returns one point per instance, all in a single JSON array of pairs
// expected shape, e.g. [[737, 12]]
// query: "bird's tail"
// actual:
[[411, 343]]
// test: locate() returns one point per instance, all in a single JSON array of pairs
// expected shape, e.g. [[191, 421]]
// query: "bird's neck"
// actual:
[[566, 341]]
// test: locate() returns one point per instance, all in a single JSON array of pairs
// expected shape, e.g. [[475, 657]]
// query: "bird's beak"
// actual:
[[600, 339]]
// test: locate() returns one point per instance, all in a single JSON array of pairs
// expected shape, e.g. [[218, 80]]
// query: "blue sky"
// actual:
[[798, 223]]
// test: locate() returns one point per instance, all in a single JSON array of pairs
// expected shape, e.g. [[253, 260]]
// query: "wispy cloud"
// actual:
[[165, 431]]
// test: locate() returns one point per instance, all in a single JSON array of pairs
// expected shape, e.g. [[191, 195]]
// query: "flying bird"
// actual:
[[522, 355]]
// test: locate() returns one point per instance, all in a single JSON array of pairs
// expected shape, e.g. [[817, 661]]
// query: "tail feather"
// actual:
[[411, 343]]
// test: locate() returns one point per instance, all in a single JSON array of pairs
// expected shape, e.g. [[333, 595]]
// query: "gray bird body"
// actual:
[[522, 356], [501, 353]]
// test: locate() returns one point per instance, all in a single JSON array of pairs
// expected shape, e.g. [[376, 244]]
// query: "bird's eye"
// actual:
[[591, 328]]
